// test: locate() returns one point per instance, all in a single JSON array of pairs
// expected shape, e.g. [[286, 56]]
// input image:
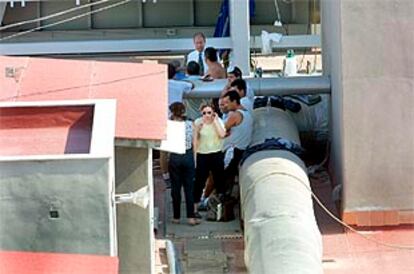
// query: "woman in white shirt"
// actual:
[[182, 169]]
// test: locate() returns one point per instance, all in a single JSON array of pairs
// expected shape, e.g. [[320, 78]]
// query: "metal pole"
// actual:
[[266, 86], [281, 234]]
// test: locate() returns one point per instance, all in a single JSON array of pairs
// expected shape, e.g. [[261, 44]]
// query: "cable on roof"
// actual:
[[330, 214]]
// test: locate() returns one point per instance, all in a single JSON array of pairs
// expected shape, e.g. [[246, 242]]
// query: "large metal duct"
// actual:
[[281, 234]]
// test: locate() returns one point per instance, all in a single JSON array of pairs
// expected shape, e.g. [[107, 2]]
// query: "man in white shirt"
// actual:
[[234, 73], [241, 87], [176, 88], [192, 105], [197, 55]]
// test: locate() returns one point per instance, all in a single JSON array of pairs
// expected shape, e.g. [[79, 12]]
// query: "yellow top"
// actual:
[[208, 141]]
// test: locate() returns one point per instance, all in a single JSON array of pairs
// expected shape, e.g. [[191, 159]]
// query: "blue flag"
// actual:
[[223, 20]]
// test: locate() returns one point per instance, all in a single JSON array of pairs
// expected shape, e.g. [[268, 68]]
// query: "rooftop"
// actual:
[[140, 89]]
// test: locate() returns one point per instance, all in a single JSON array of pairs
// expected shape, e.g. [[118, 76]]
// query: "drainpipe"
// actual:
[[281, 234], [267, 86]]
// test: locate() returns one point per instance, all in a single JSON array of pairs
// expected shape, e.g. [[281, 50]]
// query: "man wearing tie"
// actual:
[[197, 55]]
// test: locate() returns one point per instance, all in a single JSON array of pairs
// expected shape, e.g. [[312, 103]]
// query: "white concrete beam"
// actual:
[[240, 34], [142, 45], [290, 42], [106, 46]]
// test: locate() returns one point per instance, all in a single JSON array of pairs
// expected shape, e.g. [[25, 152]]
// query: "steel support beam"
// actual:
[[267, 86]]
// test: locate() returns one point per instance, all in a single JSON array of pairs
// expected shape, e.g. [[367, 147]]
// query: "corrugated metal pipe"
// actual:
[[267, 86], [281, 234]]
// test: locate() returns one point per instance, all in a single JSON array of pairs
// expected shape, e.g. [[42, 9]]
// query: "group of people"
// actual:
[[217, 131]]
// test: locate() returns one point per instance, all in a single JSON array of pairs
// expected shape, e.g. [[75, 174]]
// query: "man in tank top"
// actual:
[[239, 127]]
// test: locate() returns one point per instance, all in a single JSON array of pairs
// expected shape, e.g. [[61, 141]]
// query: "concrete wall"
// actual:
[[372, 72], [180, 19], [300, 11], [55, 206], [133, 170], [174, 13]]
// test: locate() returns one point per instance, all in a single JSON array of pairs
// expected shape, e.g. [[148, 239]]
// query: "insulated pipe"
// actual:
[[266, 86], [281, 234]]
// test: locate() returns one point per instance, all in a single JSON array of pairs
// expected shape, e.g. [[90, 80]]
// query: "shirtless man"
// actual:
[[215, 69]]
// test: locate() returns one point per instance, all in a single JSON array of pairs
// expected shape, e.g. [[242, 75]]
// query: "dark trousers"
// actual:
[[232, 170], [206, 163], [181, 168]]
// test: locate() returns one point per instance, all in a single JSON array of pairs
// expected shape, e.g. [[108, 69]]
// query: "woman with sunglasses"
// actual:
[[181, 168], [208, 143]]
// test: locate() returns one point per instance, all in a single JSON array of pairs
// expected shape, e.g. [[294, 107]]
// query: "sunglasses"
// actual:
[[206, 112]]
